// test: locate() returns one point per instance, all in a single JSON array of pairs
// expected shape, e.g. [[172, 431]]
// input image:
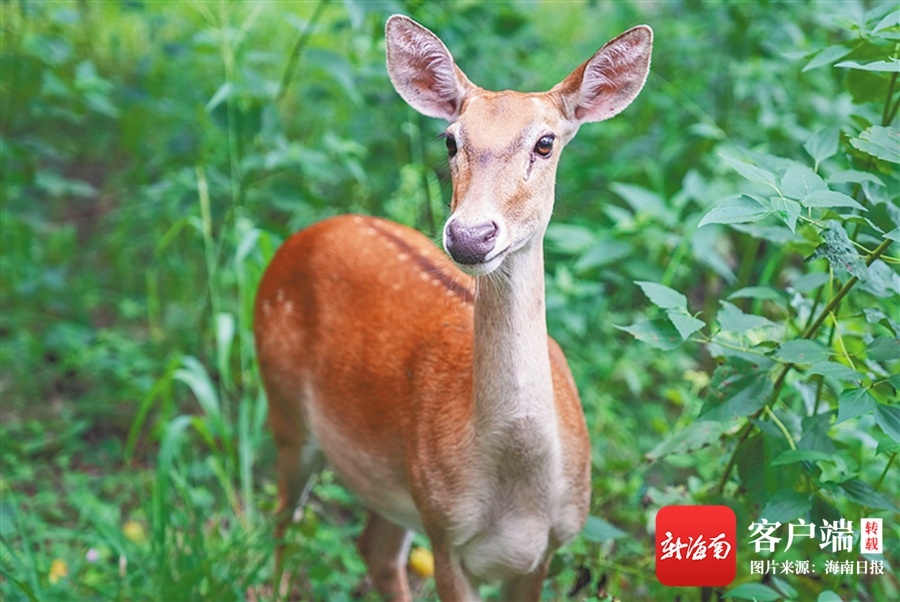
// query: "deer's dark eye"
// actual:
[[544, 146], [451, 146]]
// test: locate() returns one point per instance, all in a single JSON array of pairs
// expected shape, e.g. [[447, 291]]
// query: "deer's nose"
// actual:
[[470, 245]]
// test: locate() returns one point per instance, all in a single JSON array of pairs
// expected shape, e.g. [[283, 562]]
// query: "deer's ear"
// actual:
[[422, 69], [608, 82]]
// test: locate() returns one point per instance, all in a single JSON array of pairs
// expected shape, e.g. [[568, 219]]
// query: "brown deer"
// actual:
[[433, 389]]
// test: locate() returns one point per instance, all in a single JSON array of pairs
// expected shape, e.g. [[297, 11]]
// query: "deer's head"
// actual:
[[504, 147]]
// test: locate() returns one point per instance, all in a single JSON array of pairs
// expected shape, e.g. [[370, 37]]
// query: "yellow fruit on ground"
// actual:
[[421, 561], [134, 531], [58, 570]]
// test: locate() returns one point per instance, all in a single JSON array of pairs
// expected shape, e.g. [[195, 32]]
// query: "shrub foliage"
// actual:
[[722, 272]]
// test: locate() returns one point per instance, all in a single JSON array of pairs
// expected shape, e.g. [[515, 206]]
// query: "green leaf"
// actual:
[[888, 418], [732, 319], [779, 235], [570, 239], [788, 591], [880, 142], [875, 315], [699, 434], [799, 182], [194, 375], [889, 21], [686, 324], [707, 250], [225, 331], [834, 370], [604, 253], [838, 250], [826, 56], [786, 505], [663, 296], [660, 334], [865, 495], [792, 456], [788, 210], [736, 210], [758, 292], [889, 66], [754, 591], [893, 234], [853, 403], [830, 198], [824, 143], [829, 596], [887, 446], [646, 201], [810, 282], [599, 531], [853, 176], [738, 396], [884, 349], [751, 172], [222, 94], [802, 351]]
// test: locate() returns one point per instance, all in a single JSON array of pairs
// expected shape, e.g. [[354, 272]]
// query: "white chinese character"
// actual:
[[837, 534], [876, 567], [670, 548], [832, 567], [847, 567], [803, 567], [765, 542], [788, 567], [697, 549], [720, 548], [756, 567], [810, 531]]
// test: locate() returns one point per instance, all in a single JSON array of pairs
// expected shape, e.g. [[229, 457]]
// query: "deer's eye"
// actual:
[[451, 146], [544, 146]]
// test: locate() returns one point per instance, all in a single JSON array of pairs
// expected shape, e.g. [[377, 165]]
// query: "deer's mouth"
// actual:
[[484, 266]]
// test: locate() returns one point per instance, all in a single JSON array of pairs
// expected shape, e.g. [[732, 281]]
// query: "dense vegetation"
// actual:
[[721, 274]]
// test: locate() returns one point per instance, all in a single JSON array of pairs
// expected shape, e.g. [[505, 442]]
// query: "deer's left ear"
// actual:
[[612, 78]]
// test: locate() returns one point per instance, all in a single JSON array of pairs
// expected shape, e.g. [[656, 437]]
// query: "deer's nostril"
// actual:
[[490, 234], [470, 245]]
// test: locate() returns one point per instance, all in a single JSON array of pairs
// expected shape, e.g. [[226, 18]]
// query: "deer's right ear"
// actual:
[[422, 69]]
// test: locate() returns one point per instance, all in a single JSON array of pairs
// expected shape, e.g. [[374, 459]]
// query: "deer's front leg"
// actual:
[[384, 546], [525, 588], [452, 581]]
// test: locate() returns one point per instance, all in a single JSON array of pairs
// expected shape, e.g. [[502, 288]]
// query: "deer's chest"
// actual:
[[520, 509]]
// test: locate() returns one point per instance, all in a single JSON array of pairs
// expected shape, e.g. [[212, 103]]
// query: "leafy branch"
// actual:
[[809, 333]]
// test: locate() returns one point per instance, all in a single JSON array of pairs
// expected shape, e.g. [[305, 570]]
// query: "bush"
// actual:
[[720, 273]]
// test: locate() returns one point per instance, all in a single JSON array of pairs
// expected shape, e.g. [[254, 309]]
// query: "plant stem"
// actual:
[[888, 114], [294, 57], [887, 467], [833, 303], [208, 240], [781, 427]]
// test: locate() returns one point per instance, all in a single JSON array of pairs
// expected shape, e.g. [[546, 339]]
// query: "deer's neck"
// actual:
[[512, 378]]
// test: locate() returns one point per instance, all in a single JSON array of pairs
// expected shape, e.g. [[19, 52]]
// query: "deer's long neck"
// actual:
[[512, 377]]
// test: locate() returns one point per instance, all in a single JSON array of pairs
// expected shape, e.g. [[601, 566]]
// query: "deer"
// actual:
[[428, 381]]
